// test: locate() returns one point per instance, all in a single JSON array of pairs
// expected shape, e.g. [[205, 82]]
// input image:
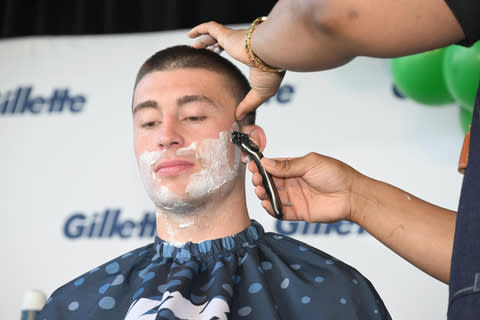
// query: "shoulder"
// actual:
[[290, 247], [328, 277], [467, 12], [91, 287]]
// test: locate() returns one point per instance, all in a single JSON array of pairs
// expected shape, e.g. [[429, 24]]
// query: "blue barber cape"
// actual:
[[251, 275]]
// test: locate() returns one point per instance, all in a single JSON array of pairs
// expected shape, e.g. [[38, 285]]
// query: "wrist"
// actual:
[[362, 198], [252, 57]]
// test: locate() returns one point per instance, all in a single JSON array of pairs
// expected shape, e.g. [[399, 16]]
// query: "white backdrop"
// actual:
[[72, 199]]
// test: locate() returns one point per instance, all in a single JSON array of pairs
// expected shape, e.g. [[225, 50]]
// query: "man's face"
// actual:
[[182, 120]]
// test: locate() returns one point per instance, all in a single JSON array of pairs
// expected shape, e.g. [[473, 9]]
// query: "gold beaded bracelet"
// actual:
[[254, 59]]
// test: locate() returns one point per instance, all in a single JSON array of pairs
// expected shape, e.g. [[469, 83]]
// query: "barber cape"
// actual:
[[251, 275]]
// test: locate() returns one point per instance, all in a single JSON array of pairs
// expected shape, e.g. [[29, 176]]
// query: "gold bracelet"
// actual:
[[254, 59]]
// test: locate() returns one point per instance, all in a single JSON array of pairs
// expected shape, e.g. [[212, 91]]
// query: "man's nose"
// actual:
[[169, 135]]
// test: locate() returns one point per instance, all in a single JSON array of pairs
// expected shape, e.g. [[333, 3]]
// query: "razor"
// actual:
[[249, 147]]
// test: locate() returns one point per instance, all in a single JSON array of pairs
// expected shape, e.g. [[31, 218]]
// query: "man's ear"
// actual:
[[257, 135]]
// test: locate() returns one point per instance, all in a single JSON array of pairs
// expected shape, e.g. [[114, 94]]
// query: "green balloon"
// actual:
[[465, 118], [462, 73], [420, 77]]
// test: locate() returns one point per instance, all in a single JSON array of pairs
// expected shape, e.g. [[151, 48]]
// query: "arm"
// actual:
[[418, 231], [326, 34], [310, 35], [316, 188]]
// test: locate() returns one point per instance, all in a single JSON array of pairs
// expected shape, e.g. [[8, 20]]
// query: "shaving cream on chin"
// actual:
[[213, 155]]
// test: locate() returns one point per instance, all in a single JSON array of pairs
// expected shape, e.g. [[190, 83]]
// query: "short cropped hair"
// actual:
[[186, 57]]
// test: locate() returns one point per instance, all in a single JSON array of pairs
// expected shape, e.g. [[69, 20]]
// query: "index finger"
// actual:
[[212, 28]]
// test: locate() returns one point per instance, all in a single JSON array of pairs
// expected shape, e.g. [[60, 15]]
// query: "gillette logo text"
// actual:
[[340, 228], [109, 224], [24, 101]]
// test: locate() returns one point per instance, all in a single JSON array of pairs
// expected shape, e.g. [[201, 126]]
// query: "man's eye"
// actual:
[[150, 124], [196, 118]]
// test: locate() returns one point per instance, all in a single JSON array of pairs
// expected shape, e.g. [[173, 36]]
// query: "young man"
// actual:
[[209, 261]]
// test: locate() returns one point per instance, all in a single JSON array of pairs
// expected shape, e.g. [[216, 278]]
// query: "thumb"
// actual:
[[251, 102], [291, 167], [283, 168]]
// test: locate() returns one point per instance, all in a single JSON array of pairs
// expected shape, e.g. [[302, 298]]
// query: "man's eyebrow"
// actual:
[[143, 105], [180, 102], [193, 98]]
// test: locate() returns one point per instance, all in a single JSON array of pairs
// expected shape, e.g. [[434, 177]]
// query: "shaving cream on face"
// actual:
[[214, 157]]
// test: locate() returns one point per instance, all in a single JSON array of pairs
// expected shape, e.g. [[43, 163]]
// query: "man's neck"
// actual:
[[221, 217]]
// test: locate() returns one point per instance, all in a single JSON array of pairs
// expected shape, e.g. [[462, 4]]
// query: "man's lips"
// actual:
[[171, 167]]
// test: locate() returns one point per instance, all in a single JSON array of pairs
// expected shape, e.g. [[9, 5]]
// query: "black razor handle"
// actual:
[[254, 153]]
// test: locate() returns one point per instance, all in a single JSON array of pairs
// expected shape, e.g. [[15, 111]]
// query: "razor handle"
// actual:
[[252, 150]]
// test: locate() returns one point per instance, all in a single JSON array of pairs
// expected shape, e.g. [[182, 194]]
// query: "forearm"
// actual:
[[292, 38], [418, 231], [309, 35]]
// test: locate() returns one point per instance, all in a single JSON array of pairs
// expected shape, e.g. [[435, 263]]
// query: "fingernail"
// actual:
[[240, 117]]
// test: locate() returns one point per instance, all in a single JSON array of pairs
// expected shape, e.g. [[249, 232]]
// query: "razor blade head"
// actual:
[[238, 137], [244, 141]]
